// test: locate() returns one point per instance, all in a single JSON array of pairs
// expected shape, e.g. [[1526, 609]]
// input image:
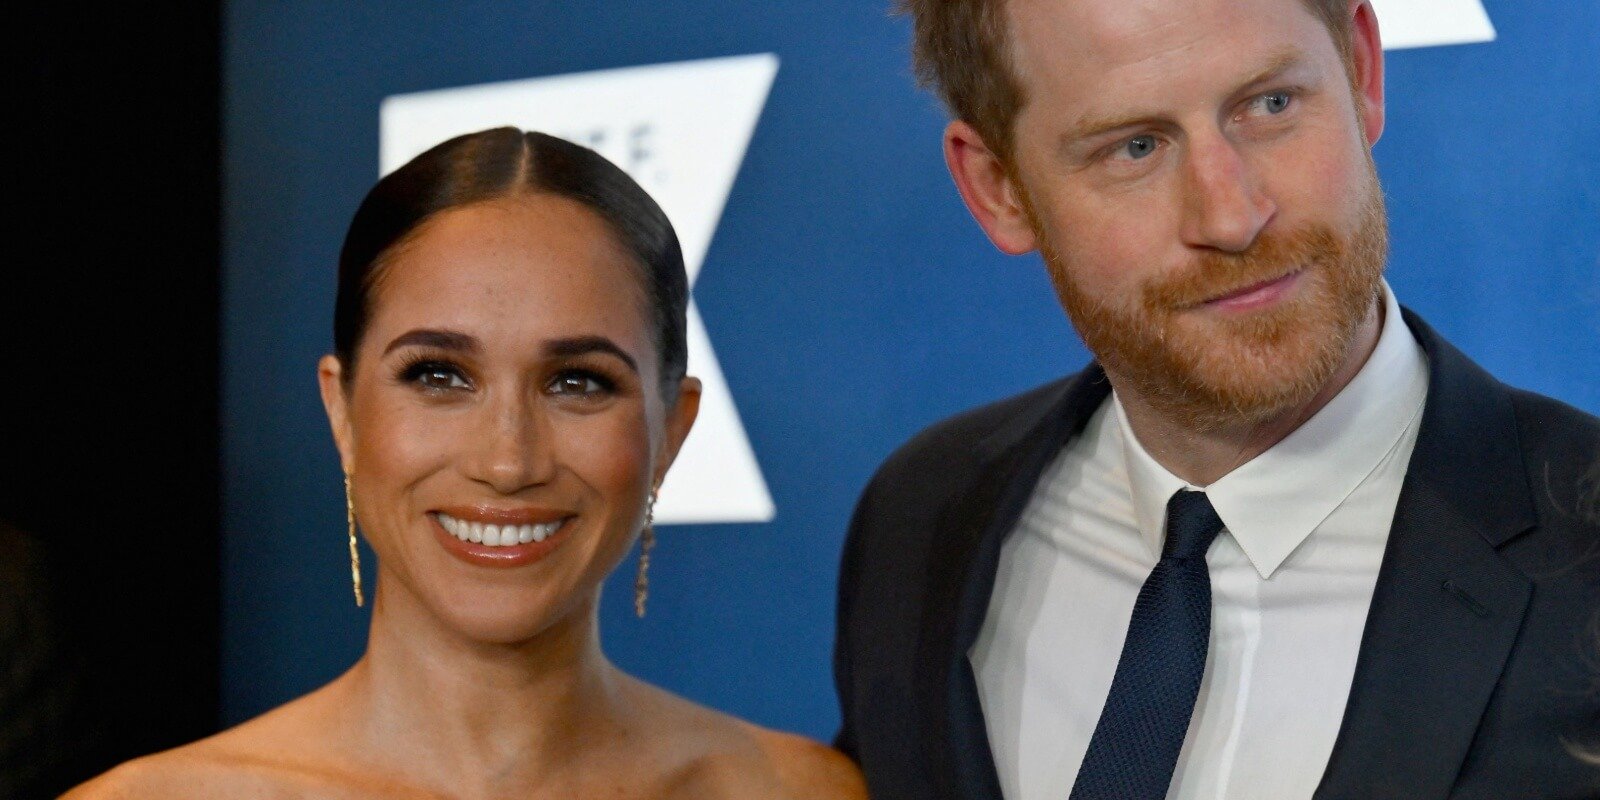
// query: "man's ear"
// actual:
[[680, 420], [988, 189], [1366, 56], [330, 380]]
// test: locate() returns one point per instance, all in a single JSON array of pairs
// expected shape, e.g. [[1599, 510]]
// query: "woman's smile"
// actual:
[[507, 404], [494, 537], [508, 374]]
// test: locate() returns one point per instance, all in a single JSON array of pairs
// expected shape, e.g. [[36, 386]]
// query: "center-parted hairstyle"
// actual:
[[503, 163]]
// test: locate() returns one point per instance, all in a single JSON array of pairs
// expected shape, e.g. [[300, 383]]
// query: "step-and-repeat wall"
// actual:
[[843, 298]]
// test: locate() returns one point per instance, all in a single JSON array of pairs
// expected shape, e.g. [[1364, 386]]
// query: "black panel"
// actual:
[[110, 425]]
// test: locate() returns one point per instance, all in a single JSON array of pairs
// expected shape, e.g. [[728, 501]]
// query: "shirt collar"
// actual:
[[1273, 502]]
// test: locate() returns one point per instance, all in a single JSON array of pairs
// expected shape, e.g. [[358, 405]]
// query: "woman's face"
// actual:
[[504, 425]]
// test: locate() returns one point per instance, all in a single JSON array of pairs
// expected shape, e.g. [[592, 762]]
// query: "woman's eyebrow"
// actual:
[[581, 345], [443, 340]]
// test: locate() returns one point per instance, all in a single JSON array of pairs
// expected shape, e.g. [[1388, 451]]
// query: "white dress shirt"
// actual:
[[1292, 577]]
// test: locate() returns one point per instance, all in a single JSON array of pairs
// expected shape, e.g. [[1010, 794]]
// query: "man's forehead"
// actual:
[[1090, 53], [1089, 25], [1055, 34]]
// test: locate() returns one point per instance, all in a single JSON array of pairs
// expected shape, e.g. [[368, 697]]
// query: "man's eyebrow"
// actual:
[[439, 339], [1090, 126], [1280, 63], [583, 345]]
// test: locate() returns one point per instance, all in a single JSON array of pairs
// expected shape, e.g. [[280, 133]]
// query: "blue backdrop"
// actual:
[[850, 298]]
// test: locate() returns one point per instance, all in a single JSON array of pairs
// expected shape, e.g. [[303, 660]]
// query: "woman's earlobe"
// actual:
[[680, 420], [331, 383]]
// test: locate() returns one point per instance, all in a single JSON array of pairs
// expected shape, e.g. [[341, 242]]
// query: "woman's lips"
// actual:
[[498, 537], [1256, 295]]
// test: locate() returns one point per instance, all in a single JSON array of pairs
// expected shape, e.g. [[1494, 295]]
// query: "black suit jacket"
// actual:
[[1480, 661]]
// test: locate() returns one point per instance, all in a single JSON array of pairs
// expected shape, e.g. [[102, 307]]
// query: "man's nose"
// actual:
[[515, 445], [1224, 205]]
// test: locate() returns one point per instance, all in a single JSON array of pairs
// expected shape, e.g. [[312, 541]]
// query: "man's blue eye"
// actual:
[[1276, 102], [1140, 146]]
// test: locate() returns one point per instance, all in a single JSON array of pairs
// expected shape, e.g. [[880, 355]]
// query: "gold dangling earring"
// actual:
[[647, 542], [355, 555]]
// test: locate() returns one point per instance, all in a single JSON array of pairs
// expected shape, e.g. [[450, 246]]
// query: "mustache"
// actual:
[[1218, 274]]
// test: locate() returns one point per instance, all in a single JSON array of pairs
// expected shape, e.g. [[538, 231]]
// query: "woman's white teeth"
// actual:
[[497, 535]]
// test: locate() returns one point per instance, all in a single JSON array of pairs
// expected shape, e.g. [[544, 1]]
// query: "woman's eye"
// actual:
[[1139, 146], [435, 376], [579, 383], [443, 379]]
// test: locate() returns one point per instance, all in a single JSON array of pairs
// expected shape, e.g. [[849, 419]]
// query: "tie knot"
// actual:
[[1192, 524]]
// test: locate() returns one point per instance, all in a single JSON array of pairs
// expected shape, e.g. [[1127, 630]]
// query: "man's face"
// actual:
[[1197, 175]]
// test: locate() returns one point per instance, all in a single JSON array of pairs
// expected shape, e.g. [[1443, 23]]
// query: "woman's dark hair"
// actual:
[[500, 163]]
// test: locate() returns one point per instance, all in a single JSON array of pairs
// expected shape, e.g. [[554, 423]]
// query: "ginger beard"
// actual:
[[1208, 370]]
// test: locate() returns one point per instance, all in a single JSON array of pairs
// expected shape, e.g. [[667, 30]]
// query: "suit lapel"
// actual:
[[1447, 608], [1445, 612], [962, 574]]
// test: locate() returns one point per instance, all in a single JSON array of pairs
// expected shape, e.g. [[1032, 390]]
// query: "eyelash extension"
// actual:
[[603, 381], [410, 371], [416, 366]]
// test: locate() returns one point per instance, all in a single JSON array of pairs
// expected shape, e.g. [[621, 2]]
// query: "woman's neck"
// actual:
[[440, 704]]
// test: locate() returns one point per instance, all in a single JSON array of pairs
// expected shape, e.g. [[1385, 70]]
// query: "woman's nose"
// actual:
[[514, 447]]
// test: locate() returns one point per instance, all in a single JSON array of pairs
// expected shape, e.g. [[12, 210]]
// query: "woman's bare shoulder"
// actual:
[[809, 769], [735, 758], [198, 770], [261, 758]]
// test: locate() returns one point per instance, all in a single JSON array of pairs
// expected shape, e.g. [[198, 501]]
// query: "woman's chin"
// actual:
[[509, 618], [493, 605]]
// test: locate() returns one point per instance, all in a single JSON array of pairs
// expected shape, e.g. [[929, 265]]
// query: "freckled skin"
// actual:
[[1158, 134], [1184, 67], [489, 682], [507, 440]]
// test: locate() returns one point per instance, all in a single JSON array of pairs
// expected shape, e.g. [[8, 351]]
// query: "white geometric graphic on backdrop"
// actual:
[[681, 131], [1429, 23]]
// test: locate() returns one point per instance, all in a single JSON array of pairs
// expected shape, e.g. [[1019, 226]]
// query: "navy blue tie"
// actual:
[[1135, 745]]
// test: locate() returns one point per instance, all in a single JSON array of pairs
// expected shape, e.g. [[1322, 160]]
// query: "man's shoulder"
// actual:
[[1558, 443], [1547, 423], [1561, 453]]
